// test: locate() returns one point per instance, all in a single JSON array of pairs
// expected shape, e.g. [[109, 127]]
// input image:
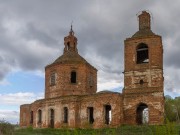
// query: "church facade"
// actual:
[[71, 97]]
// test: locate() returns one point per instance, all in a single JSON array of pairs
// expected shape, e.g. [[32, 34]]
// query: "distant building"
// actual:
[[71, 97]]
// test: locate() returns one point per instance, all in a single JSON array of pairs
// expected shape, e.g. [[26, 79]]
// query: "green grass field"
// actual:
[[122, 130], [167, 129]]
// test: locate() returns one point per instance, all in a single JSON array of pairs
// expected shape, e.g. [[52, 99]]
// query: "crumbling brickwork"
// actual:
[[71, 97]]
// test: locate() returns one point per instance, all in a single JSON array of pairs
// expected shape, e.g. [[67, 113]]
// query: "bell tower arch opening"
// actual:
[[68, 45], [142, 114], [142, 54]]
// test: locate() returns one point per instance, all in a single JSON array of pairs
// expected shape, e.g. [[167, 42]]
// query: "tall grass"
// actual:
[[167, 129]]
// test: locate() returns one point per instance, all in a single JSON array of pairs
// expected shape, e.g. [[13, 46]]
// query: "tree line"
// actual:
[[172, 109]]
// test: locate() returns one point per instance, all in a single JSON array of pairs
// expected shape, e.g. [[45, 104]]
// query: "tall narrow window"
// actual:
[[53, 79], [65, 115], [91, 82], [90, 115], [31, 119], [73, 77], [52, 118], [108, 116], [68, 46], [39, 116], [142, 53]]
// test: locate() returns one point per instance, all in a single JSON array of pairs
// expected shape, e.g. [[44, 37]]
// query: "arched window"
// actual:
[[142, 54], [73, 77], [68, 46], [52, 118], [142, 114], [90, 111], [39, 116], [53, 79], [107, 116], [65, 115], [91, 82], [31, 119]]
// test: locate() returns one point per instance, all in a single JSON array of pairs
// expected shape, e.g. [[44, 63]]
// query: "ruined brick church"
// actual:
[[71, 97]]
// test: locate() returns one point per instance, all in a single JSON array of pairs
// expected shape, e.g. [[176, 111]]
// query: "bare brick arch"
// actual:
[[142, 113], [142, 53]]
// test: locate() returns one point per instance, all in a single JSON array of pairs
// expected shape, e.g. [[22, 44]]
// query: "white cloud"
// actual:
[[19, 98], [9, 104], [9, 116], [109, 76]]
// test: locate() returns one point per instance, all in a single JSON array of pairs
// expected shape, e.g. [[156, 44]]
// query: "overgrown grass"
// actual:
[[168, 129]]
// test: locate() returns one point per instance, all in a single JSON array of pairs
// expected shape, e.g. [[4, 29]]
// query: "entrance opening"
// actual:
[[142, 114], [31, 120], [142, 54], [65, 115], [73, 77], [52, 118], [90, 115], [107, 114], [39, 116]]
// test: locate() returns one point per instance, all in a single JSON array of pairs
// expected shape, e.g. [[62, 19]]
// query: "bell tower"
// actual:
[[70, 42], [143, 75]]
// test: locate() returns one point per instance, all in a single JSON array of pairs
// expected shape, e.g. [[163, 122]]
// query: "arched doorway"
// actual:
[[142, 114], [108, 116], [52, 118]]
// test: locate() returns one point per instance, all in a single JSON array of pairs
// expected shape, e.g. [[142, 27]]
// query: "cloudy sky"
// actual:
[[32, 35]]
